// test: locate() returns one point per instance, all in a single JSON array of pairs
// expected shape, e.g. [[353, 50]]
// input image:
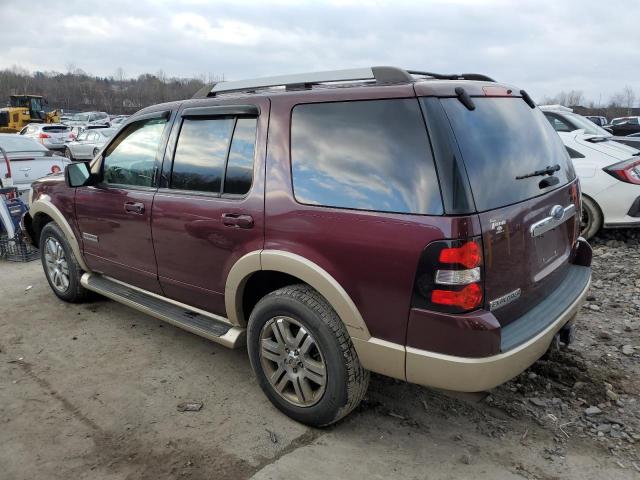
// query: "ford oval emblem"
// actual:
[[557, 212]]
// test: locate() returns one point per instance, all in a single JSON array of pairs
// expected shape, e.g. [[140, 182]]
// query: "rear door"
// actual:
[[529, 219], [209, 211], [114, 217]]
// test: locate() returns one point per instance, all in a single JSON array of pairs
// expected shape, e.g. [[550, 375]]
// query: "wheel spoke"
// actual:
[[271, 351], [300, 336], [281, 380], [306, 345], [314, 371], [276, 327], [300, 391]]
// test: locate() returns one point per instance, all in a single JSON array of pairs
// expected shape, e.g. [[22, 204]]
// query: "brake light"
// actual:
[[44, 135], [55, 169], [449, 276], [626, 171], [468, 298], [468, 255]]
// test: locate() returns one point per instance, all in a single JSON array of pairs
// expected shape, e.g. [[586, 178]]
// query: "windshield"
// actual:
[[587, 125], [80, 117], [503, 138]]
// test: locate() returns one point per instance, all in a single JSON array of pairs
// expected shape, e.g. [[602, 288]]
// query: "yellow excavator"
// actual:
[[25, 109]]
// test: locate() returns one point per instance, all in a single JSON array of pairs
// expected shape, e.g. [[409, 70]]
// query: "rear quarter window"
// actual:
[[364, 155], [501, 139]]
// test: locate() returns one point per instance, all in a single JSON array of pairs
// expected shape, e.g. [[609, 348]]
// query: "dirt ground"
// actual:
[[91, 392]]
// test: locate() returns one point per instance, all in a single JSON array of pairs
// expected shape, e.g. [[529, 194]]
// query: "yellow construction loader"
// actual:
[[25, 109]]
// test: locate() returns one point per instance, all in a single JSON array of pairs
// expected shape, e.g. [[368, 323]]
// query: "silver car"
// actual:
[[88, 143], [88, 118], [51, 135]]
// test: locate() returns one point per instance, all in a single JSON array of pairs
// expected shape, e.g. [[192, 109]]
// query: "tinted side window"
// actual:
[[131, 158], [368, 155], [239, 173], [201, 153]]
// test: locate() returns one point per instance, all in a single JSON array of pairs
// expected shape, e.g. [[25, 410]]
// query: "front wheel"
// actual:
[[591, 218], [303, 357], [60, 265]]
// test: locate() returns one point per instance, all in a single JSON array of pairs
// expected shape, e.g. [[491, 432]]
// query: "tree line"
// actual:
[[619, 104], [76, 90]]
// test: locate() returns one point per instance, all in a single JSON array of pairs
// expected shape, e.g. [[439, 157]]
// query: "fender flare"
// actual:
[[297, 266], [43, 205]]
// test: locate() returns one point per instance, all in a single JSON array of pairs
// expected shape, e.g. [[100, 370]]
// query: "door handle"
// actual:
[[134, 207], [237, 220]]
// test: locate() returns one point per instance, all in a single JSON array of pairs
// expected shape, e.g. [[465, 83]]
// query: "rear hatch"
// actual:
[[57, 134], [527, 198]]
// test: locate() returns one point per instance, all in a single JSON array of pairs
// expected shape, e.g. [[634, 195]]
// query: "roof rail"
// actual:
[[377, 74], [380, 75], [453, 76]]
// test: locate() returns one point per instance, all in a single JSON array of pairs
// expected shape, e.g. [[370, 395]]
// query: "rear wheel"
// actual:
[[60, 265], [591, 218], [67, 153], [303, 357]]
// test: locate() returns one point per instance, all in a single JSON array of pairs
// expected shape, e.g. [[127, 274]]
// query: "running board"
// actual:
[[194, 320]]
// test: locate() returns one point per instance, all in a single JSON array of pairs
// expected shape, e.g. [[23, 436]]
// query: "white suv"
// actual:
[[51, 135], [609, 171]]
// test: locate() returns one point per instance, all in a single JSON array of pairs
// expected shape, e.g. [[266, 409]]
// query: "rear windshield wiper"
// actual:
[[539, 173]]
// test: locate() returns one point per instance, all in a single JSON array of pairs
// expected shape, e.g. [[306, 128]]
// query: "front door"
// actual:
[[210, 210], [114, 216]]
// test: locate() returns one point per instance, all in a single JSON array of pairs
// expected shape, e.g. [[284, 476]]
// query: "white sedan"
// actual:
[[609, 173], [88, 143]]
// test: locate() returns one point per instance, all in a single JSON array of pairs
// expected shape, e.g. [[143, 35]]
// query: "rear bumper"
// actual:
[[476, 374]]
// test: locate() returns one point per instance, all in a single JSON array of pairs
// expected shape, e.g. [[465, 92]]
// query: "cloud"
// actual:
[[542, 46]]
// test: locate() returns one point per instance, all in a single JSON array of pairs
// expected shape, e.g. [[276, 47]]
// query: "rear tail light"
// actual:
[[449, 276], [44, 135], [626, 171], [55, 169]]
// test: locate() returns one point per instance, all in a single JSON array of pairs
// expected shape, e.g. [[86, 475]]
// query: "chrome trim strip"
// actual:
[[549, 223], [90, 237]]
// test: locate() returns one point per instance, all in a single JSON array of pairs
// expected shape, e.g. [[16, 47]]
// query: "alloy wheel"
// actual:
[[57, 266], [292, 361]]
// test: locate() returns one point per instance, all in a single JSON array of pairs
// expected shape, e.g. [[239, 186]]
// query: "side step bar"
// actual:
[[194, 320]]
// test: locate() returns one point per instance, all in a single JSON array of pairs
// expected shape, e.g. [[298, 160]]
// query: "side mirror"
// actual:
[[78, 174]]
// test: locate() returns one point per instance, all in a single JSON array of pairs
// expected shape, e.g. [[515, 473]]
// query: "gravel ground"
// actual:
[[95, 391]]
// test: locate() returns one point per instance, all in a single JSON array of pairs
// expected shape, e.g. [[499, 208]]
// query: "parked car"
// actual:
[[600, 121], [88, 118], [88, 143], [119, 120], [28, 160], [362, 239], [51, 135], [632, 140], [624, 126], [609, 174]]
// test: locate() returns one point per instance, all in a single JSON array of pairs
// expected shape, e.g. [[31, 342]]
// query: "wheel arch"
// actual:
[[297, 267], [43, 208]]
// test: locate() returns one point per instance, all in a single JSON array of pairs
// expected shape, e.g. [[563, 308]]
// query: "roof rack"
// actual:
[[379, 75]]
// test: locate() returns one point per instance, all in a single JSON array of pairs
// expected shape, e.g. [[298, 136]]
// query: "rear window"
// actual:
[[17, 143], [366, 155], [501, 139], [56, 129]]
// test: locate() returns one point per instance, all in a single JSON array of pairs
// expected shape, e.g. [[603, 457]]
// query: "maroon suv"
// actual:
[[417, 225]]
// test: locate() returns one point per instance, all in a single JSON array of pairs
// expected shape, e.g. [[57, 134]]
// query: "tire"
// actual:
[[591, 218], [53, 258], [327, 342], [68, 154]]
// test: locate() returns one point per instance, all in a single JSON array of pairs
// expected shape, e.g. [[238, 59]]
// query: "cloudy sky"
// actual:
[[542, 46]]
